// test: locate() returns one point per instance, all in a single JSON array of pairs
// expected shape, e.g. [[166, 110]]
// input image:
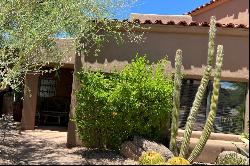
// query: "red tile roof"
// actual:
[[182, 20], [193, 23], [202, 6], [164, 18]]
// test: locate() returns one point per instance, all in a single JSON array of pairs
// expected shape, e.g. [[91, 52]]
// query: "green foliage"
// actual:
[[29, 31], [176, 102], [113, 108], [151, 158], [232, 158]]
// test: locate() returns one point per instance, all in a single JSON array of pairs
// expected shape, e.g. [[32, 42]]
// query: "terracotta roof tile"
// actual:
[[170, 23], [242, 26], [164, 18], [184, 23], [230, 25], [147, 22], [205, 24], [158, 22], [193, 23], [218, 24]]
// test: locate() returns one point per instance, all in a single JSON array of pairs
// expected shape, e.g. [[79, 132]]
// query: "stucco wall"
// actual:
[[231, 11], [162, 40]]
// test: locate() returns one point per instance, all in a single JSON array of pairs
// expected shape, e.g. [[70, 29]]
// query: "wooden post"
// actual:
[[72, 136]]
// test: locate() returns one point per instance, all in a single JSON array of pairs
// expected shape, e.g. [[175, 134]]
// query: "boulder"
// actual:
[[134, 149], [231, 158]]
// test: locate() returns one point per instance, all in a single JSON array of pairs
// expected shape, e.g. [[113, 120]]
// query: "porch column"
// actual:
[[30, 102], [246, 119], [72, 136]]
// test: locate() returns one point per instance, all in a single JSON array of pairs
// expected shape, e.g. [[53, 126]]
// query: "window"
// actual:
[[188, 92], [47, 87], [230, 109]]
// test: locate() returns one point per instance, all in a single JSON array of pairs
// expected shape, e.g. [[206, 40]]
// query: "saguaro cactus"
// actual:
[[201, 90], [176, 102], [213, 107]]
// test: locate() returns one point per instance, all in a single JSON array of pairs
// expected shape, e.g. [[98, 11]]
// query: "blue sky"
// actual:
[[171, 7]]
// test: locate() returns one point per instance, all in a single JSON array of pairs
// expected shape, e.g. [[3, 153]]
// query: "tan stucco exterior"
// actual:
[[165, 40], [162, 40], [226, 11]]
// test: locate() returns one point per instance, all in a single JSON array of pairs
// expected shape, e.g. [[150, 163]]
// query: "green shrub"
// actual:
[[151, 158], [113, 108]]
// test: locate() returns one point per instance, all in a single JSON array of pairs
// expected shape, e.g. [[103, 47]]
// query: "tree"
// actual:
[[28, 32]]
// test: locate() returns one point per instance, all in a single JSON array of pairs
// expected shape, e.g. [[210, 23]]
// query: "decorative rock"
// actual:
[[134, 149], [129, 150], [231, 158]]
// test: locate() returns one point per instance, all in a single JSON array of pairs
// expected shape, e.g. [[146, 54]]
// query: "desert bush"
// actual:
[[114, 107], [151, 158]]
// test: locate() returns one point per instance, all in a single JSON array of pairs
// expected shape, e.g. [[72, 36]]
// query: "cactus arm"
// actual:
[[176, 102], [200, 93], [213, 107], [194, 112]]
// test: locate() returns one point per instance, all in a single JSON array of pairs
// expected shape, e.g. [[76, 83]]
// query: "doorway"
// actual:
[[54, 96]]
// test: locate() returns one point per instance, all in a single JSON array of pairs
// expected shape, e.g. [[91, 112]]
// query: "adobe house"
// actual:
[[188, 32]]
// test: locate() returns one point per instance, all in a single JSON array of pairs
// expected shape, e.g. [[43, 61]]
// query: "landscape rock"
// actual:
[[134, 149]]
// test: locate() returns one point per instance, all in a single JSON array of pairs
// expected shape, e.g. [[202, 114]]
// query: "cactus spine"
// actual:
[[200, 92], [213, 107], [176, 102]]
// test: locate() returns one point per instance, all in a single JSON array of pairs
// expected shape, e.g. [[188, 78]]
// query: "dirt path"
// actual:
[[44, 146]]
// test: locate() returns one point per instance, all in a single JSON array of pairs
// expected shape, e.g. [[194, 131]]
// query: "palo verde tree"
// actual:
[[29, 30]]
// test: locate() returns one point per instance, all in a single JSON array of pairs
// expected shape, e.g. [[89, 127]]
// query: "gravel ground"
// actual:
[[46, 146]]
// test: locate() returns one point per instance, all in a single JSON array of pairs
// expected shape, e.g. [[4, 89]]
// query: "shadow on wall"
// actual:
[[157, 45]]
